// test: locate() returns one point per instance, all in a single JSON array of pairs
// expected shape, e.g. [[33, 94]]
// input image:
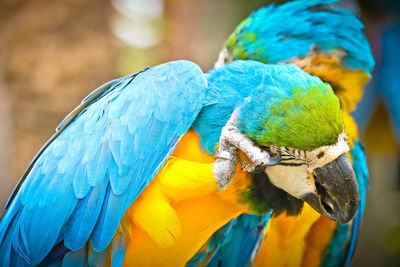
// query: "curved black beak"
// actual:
[[337, 194]]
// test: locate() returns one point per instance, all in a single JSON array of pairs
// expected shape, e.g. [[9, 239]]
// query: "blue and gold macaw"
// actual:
[[328, 43], [149, 166]]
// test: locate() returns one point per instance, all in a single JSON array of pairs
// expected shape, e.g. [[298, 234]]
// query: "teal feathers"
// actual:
[[102, 158], [294, 30], [294, 97], [81, 184], [232, 245], [279, 33], [303, 113]]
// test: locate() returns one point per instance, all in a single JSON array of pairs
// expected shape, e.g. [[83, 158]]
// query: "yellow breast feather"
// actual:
[[180, 209]]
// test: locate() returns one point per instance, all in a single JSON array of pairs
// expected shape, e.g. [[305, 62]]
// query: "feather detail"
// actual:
[[153, 213], [82, 181]]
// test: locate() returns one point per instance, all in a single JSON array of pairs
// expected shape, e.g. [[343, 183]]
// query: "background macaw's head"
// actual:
[[323, 41]]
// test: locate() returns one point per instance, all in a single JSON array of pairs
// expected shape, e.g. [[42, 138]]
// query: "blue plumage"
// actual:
[[244, 238], [228, 87], [101, 159], [234, 243], [96, 258], [119, 139], [362, 175], [226, 94], [75, 258], [118, 251], [278, 33]]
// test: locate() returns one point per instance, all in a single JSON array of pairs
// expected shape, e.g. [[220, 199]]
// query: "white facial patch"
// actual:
[[323, 155], [295, 177], [315, 158], [292, 179]]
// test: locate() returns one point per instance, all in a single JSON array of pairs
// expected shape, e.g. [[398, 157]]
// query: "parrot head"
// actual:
[[323, 41], [288, 113], [297, 116]]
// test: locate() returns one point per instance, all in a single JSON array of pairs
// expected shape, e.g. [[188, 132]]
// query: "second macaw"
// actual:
[[328, 43], [146, 169]]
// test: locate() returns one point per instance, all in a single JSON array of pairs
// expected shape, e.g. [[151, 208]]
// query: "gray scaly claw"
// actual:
[[230, 141], [260, 168]]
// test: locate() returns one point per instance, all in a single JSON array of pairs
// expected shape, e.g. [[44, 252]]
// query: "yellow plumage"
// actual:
[[347, 84], [180, 209], [317, 241], [286, 239], [152, 212], [192, 179]]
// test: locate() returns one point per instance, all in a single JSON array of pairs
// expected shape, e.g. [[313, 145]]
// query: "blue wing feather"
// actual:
[[362, 175], [235, 243], [291, 29], [75, 258], [245, 238], [96, 258], [118, 251], [103, 155]]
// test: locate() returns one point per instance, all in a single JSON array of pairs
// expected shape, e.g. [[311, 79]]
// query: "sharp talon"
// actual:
[[273, 161], [232, 140]]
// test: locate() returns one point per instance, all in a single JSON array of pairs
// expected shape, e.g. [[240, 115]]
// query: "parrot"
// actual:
[[149, 166], [328, 43]]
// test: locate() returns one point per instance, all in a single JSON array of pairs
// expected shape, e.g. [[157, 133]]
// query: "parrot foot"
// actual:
[[230, 141]]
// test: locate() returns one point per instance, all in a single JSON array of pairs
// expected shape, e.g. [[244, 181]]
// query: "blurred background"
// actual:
[[53, 53]]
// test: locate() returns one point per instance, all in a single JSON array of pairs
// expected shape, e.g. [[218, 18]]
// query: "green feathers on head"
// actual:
[[292, 109]]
